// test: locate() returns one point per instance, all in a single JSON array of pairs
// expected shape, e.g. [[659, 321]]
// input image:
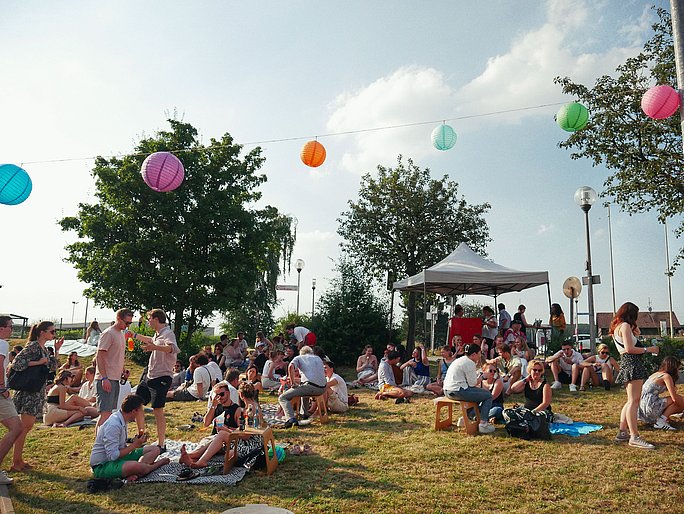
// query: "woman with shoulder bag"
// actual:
[[30, 404]]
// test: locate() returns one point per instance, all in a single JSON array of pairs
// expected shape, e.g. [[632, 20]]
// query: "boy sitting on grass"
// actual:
[[112, 457]]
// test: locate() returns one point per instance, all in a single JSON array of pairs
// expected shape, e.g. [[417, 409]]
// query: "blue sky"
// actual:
[[89, 78]]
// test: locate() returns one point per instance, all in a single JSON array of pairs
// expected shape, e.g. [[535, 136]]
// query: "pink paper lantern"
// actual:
[[162, 171], [660, 102]]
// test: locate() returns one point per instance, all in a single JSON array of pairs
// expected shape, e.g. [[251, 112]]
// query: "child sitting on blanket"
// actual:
[[224, 415], [248, 396]]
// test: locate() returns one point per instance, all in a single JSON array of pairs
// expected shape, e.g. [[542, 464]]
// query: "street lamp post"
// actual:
[[300, 266], [313, 296], [73, 310], [585, 197]]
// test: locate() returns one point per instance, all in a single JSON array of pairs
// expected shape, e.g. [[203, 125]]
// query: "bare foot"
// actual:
[[184, 457], [132, 478], [58, 425], [198, 464]]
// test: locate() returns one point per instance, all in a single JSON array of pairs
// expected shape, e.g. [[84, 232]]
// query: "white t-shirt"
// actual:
[[462, 373], [300, 333], [4, 351], [87, 390], [487, 331], [340, 388], [566, 366], [385, 374], [215, 372], [202, 376]]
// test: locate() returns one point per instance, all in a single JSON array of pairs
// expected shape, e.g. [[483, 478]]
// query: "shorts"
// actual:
[[183, 395], [158, 388], [114, 468], [107, 402], [56, 415], [310, 339], [564, 378], [7, 408]]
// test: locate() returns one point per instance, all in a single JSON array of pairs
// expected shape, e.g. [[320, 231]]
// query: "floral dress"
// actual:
[[651, 405], [25, 402]]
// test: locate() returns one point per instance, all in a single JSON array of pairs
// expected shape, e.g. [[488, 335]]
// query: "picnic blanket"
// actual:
[[169, 472], [575, 429]]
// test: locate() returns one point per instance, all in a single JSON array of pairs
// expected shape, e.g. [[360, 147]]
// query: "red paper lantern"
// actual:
[[660, 102], [313, 154]]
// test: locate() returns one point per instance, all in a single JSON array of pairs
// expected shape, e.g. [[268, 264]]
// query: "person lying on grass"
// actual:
[[111, 457], [63, 411], [224, 415], [387, 385]]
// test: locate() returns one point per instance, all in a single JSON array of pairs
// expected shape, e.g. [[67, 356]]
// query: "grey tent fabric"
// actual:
[[464, 272]]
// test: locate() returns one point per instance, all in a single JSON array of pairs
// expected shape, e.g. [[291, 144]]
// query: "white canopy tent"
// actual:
[[464, 272]]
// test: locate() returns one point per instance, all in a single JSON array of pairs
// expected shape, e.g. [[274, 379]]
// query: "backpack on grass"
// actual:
[[526, 424]]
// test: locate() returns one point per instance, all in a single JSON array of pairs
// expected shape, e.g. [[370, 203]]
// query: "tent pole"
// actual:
[[424, 308], [548, 292]]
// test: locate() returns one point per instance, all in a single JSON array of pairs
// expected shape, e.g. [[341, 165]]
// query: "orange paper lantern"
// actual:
[[313, 154]]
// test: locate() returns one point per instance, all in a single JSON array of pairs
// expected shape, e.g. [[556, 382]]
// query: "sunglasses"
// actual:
[[537, 370], [52, 331], [603, 353], [221, 394], [128, 322]]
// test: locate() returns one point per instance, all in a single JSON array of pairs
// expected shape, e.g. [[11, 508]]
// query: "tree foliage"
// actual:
[[404, 221], [350, 315], [200, 249], [643, 155]]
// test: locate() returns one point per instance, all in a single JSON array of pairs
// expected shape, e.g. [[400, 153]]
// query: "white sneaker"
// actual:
[[556, 385], [4, 479], [663, 425], [486, 428], [573, 388], [461, 422], [638, 442]]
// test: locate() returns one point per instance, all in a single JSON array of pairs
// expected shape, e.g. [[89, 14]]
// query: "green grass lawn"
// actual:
[[382, 457]]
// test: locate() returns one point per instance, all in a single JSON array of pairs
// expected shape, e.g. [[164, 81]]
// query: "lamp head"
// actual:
[[585, 197], [299, 265], [313, 283]]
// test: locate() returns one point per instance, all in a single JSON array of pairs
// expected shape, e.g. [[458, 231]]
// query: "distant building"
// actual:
[[650, 323]]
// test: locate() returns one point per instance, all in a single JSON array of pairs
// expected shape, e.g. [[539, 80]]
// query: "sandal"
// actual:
[[296, 450], [306, 450], [187, 474]]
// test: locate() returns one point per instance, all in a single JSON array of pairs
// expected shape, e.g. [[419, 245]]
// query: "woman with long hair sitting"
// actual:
[[63, 411]]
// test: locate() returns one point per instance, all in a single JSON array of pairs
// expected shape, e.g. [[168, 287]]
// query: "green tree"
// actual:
[[200, 249], [404, 221], [349, 315], [643, 155]]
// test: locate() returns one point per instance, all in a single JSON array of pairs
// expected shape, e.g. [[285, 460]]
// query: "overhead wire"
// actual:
[[302, 138]]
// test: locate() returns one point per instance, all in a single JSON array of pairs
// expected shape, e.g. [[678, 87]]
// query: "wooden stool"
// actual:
[[268, 440], [322, 409], [471, 426]]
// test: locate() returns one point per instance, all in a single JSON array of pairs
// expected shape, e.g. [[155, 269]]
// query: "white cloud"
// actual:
[[315, 236], [543, 228], [410, 94], [524, 75]]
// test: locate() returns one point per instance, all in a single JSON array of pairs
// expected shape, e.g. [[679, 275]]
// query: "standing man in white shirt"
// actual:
[[303, 335], [8, 413], [163, 349], [504, 319]]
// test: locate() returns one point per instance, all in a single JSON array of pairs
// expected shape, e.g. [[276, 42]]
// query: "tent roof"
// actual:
[[464, 272]]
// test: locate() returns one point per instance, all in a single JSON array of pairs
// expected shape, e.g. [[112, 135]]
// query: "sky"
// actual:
[[82, 79]]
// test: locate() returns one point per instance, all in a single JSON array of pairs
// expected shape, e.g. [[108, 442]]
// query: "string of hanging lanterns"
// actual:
[[164, 172]]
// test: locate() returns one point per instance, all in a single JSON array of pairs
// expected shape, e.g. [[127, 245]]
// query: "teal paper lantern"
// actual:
[[443, 137], [15, 184], [572, 117]]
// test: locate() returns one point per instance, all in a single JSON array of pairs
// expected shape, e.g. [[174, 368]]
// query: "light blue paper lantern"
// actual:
[[443, 137], [15, 184]]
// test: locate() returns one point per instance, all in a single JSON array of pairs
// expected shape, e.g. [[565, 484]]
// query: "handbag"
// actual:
[[30, 380]]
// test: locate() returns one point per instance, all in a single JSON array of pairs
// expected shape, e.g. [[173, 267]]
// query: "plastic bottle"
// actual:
[[131, 344], [243, 420]]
